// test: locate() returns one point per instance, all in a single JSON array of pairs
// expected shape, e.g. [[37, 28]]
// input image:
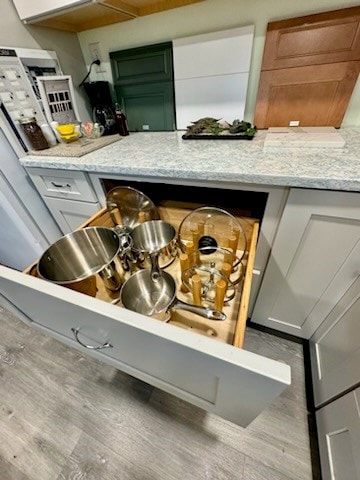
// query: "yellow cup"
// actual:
[[66, 129]]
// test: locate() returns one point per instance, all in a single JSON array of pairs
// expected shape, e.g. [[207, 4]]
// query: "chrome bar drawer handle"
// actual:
[[61, 185], [76, 335]]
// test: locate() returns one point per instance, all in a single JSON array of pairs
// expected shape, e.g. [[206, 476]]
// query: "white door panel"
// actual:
[[221, 96], [217, 377]]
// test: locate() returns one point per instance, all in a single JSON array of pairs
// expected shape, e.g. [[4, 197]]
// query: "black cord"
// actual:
[[96, 62]]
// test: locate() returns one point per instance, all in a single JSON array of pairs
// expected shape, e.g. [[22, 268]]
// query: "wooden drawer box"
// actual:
[[200, 362]]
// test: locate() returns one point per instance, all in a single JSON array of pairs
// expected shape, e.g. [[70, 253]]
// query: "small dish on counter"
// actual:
[[71, 137]]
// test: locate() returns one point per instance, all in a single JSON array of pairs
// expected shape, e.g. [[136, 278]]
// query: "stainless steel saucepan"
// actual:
[[154, 243], [140, 293], [80, 255]]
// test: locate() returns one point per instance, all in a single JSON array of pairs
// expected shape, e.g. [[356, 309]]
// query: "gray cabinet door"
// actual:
[[217, 377], [339, 438], [70, 214], [335, 346], [307, 272]]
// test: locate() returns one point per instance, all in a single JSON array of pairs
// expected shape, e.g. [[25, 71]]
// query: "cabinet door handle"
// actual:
[[92, 347], [61, 185]]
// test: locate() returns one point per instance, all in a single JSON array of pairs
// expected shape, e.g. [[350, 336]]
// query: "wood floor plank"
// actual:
[[10, 472], [91, 460], [93, 421], [255, 470]]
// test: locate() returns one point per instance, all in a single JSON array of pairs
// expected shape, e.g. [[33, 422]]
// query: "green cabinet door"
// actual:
[[143, 82], [148, 106]]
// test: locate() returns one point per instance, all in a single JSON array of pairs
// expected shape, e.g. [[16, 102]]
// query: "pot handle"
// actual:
[[155, 270], [209, 313]]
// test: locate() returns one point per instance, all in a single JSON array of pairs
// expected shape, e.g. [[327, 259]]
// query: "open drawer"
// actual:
[[200, 362]]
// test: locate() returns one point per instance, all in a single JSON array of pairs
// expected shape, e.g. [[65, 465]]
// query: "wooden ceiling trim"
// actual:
[[160, 6]]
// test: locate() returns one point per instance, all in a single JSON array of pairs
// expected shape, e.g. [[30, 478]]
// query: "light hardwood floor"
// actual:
[[64, 416]]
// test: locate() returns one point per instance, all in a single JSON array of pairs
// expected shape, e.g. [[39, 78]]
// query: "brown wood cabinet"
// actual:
[[310, 67], [79, 15]]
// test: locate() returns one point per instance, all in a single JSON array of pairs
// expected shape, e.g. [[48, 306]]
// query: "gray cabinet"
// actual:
[[309, 269], [70, 214], [339, 438], [68, 195], [335, 346], [217, 376]]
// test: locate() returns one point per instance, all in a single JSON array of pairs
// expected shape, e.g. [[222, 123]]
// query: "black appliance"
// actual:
[[101, 104]]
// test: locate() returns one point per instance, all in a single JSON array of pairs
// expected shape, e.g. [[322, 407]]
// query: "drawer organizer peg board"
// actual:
[[198, 360]]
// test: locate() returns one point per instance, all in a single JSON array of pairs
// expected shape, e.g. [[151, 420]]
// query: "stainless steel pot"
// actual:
[[154, 243], [141, 294], [80, 255]]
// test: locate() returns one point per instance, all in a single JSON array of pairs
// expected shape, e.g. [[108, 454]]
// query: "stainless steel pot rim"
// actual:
[[144, 203], [147, 226], [85, 275]]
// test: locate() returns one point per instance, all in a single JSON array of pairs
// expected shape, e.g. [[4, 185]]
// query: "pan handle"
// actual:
[[209, 313], [155, 270]]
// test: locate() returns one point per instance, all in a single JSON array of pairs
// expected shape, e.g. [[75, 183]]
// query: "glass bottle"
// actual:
[[121, 121], [34, 134]]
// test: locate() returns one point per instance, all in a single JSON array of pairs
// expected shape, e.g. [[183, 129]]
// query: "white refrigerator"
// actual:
[[26, 226]]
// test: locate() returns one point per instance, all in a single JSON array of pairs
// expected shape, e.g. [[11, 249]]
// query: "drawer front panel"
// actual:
[[219, 378], [62, 184]]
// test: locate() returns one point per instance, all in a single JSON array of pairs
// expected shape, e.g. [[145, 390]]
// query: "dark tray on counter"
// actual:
[[235, 136]]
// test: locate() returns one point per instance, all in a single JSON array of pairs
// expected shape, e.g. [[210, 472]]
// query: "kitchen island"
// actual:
[[308, 254], [166, 155]]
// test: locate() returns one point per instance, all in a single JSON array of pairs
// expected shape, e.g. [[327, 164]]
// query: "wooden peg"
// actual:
[[196, 289], [220, 294], [196, 236], [236, 231], [184, 264], [201, 227], [228, 258], [224, 241], [226, 269], [142, 217], [189, 249], [233, 243], [115, 212]]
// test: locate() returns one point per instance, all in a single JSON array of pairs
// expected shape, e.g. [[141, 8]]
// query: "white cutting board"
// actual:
[[304, 137]]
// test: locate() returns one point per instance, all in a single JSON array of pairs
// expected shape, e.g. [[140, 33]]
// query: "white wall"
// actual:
[[207, 16], [13, 33]]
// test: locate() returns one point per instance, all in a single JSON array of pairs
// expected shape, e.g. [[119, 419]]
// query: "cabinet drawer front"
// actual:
[[219, 378], [62, 184]]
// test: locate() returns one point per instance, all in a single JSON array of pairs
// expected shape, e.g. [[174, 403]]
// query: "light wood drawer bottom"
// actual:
[[232, 330]]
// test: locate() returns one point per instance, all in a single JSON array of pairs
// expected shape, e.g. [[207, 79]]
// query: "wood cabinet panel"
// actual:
[[312, 40], [309, 70], [78, 15], [311, 95]]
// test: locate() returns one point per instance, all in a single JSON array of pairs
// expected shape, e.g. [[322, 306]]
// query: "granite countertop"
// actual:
[[166, 155]]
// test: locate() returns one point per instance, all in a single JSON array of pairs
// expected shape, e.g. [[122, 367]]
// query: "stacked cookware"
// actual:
[[133, 257]]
